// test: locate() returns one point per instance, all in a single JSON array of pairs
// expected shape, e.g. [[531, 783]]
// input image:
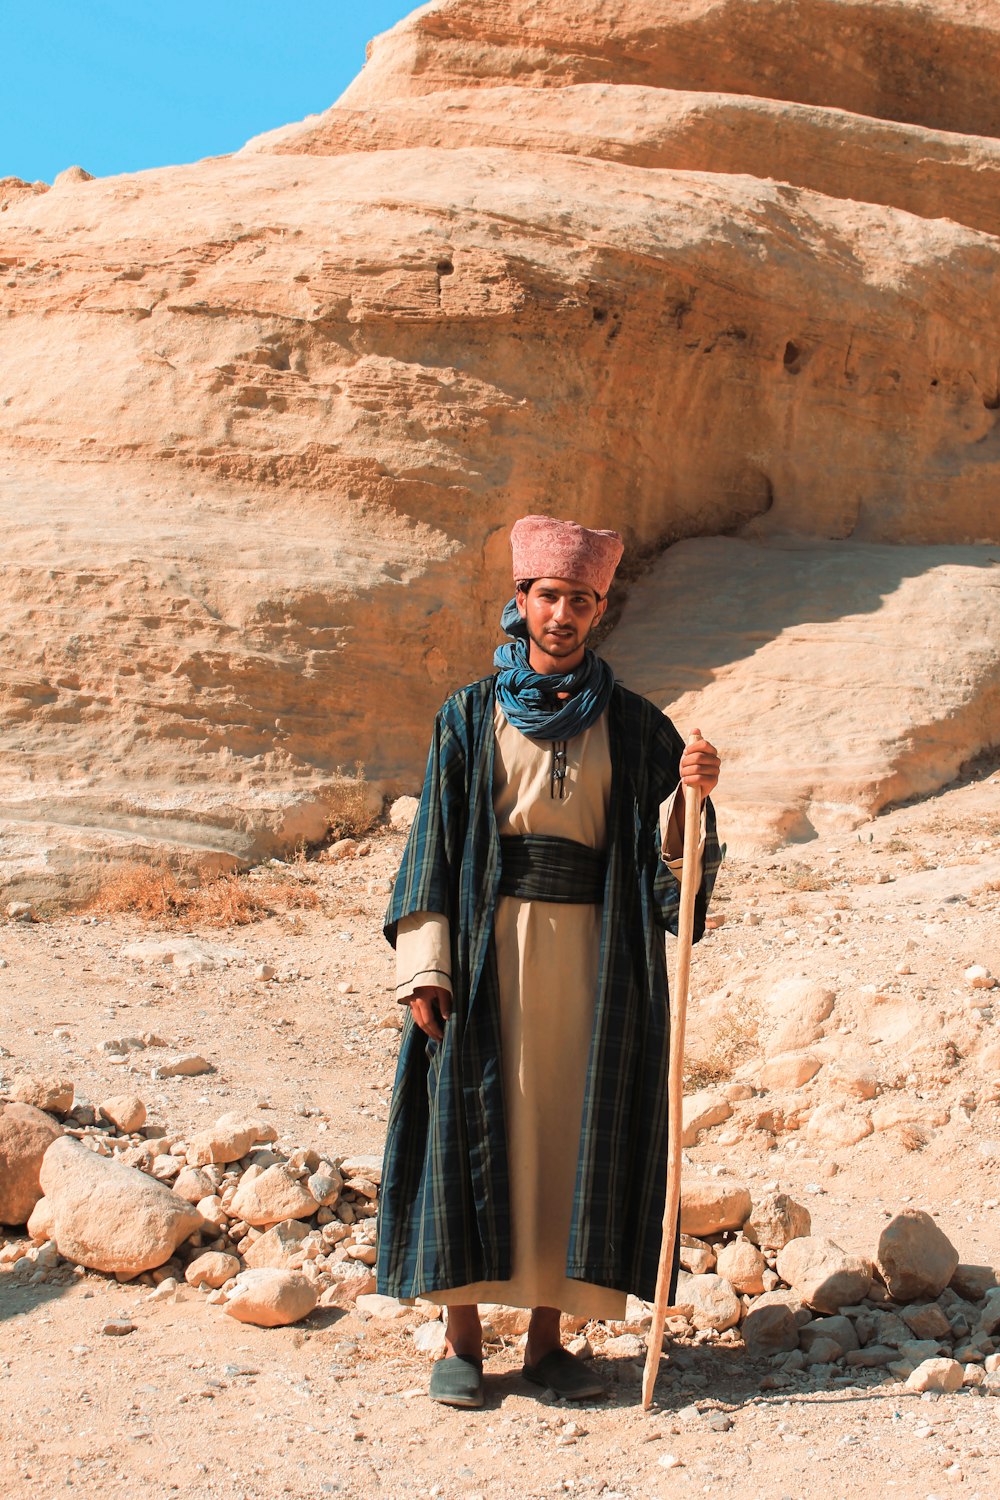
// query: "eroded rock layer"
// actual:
[[265, 419]]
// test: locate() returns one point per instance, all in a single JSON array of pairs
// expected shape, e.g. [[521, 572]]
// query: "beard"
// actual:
[[566, 643]]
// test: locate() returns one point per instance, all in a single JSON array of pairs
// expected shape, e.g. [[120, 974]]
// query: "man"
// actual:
[[526, 1148]]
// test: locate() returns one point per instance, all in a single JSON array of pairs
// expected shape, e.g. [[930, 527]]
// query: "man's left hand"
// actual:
[[700, 765]]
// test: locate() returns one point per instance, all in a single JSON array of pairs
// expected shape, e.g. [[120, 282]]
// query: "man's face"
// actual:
[[559, 615]]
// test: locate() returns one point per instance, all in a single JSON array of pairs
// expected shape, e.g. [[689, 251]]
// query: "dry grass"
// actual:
[[349, 810], [157, 895], [734, 1042], [912, 1137], [805, 879]]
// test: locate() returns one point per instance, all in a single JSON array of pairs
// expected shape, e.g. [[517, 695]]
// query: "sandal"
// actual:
[[564, 1374], [457, 1382]]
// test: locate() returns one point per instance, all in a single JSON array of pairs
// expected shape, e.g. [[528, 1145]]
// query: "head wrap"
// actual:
[[543, 547]]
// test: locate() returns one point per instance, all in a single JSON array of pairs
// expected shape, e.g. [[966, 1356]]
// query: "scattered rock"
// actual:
[[742, 1265], [509, 1322], [711, 1204], [325, 1185], [54, 1095], [800, 1007], [936, 1375], [270, 1298], [927, 1321], [859, 1082], [374, 1305], [915, 1258], [625, 1346], [192, 1184], [824, 1276], [989, 1318], [715, 1303], [125, 1111], [187, 955], [26, 1133], [838, 1329], [901, 1111], [213, 1269], [979, 978], [368, 1167], [789, 1070], [279, 1248], [831, 1126], [191, 1065], [700, 1112], [770, 1326], [973, 1283], [229, 1139], [108, 1216], [695, 1255], [402, 812], [775, 1220], [272, 1195], [430, 1339], [117, 1328]]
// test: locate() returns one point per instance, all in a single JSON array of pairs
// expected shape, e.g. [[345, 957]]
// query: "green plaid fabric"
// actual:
[[444, 1215], [538, 867]]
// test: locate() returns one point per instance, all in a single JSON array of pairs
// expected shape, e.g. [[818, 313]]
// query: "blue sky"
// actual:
[[114, 86]]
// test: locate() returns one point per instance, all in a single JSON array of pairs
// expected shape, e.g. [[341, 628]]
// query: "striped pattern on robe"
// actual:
[[444, 1216]]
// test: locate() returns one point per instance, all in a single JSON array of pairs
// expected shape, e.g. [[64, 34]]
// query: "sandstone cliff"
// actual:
[[265, 419]]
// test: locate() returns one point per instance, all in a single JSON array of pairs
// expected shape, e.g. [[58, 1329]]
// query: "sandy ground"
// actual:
[[196, 1405]]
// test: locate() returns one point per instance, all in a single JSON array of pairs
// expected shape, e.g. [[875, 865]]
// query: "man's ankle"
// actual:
[[464, 1334], [543, 1334]]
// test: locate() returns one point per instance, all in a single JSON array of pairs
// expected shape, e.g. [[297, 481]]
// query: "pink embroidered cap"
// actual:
[[543, 547]]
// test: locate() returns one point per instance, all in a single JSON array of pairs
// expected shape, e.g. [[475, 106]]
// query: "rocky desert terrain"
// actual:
[[844, 1051], [720, 273]]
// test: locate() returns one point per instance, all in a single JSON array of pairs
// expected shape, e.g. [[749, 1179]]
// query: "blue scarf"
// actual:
[[528, 698]]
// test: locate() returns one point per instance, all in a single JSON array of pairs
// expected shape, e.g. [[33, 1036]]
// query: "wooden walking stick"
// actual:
[[675, 1084]]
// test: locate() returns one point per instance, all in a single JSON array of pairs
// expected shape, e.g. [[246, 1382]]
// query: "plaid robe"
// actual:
[[444, 1217]]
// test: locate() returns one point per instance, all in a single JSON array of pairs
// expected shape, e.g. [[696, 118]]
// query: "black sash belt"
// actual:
[[536, 868]]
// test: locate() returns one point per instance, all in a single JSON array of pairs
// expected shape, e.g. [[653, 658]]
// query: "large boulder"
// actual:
[[915, 1257], [108, 1216], [26, 1133]]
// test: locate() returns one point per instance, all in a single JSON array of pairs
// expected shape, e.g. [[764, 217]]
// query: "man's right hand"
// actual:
[[430, 1007]]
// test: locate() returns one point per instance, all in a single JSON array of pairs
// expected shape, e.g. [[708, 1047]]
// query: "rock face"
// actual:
[[26, 1134], [689, 269], [108, 1216], [798, 634]]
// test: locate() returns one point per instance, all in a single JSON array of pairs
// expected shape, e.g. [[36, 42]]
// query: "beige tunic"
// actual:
[[547, 959]]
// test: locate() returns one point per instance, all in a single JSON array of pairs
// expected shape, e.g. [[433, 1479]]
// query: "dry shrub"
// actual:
[[734, 1042], [349, 808], [156, 894], [153, 893], [805, 879]]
